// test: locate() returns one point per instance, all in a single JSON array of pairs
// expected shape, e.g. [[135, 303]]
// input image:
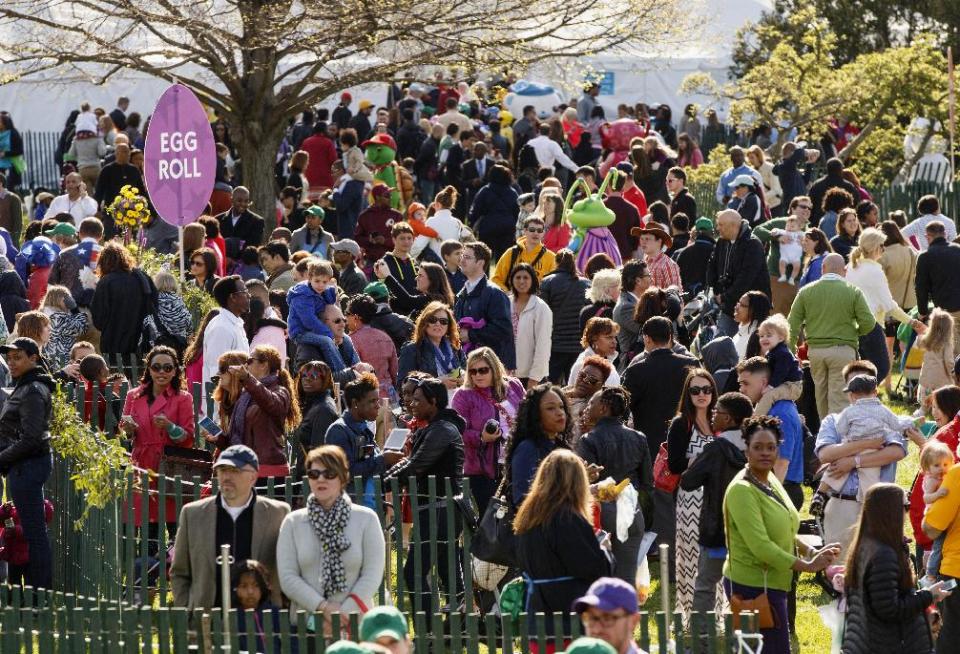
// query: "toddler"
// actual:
[[937, 344], [935, 460], [865, 418], [527, 207], [786, 378], [251, 592], [791, 249], [306, 302], [67, 323]]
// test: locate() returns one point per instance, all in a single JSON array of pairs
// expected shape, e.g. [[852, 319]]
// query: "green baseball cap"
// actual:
[[586, 645], [346, 647], [704, 224], [316, 210], [378, 291], [62, 229], [383, 621]]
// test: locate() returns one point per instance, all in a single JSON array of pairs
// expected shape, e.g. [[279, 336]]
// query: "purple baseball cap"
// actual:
[[609, 594]]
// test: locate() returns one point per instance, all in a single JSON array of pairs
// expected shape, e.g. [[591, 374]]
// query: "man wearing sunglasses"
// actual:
[[235, 516], [530, 250]]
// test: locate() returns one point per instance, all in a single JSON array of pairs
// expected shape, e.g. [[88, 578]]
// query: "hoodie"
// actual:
[[720, 359], [25, 422], [305, 308], [719, 462]]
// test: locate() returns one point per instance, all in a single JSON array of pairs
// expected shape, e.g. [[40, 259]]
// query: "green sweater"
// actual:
[[762, 232], [761, 533], [833, 313]]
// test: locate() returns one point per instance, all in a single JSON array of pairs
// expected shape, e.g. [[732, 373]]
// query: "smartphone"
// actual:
[[950, 584], [209, 426]]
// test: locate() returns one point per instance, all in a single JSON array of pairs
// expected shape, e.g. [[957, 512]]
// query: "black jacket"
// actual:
[[693, 261], [820, 188], [655, 382], [622, 452], [437, 452], [398, 328], [120, 303], [248, 229], [738, 267], [596, 310], [488, 302], [684, 203], [427, 158], [493, 209], [13, 297], [713, 469], [882, 618], [319, 412], [565, 294], [409, 139], [937, 277], [564, 547], [25, 419]]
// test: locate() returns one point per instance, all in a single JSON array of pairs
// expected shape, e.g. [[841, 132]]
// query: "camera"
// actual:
[[491, 426]]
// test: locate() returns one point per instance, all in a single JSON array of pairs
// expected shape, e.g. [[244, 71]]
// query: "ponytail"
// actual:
[[447, 197], [856, 256]]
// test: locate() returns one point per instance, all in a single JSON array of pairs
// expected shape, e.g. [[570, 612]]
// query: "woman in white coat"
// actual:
[[772, 191], [532, 326], [330, 555], [447, 226]]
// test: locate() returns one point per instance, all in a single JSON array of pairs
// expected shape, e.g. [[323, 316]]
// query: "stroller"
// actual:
[[910, 363]]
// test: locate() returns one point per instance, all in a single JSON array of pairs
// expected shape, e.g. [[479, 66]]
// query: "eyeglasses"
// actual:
[[162, 367], [701, 390], [337, 321], [433, 320], [196, 263], [484, 370], [315, 474], [535, 230], [606, 620]]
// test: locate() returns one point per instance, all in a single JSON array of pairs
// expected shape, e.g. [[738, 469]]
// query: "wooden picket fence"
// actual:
[[63, 623]]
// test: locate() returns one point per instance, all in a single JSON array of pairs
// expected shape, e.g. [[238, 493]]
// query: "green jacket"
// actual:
[[761, 534], [772, 242], [832, 311]]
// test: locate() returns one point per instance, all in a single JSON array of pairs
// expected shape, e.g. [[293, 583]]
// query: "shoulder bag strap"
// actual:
[[906, 288]]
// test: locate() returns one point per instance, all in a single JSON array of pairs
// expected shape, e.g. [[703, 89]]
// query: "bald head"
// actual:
[[833, 264], [728, 224], [122, 152]]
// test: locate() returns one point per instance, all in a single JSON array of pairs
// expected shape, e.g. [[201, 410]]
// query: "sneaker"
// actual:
[[783, 278], [817, 505], [792, 282]]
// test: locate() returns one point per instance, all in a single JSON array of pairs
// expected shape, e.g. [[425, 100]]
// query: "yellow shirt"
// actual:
[[941, 515], [546, 264]]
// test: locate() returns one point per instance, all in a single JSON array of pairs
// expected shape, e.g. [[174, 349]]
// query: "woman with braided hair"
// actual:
[[623, 454]]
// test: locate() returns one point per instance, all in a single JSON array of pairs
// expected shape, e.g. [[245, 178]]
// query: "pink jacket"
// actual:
[[476, 406], [272, 334]]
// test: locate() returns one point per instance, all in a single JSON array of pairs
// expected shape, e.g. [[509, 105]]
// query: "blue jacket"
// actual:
[[421, 357], [491, 304], [305, 308], [355, 438]]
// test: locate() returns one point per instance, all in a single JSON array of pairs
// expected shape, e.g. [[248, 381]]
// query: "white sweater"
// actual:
[[534, 338], [300, 561], [448, 228]]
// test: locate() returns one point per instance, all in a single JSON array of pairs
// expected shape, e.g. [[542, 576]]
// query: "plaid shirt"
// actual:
[[664, 271]]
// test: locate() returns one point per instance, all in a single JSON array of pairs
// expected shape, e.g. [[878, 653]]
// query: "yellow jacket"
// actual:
[[546, 263]]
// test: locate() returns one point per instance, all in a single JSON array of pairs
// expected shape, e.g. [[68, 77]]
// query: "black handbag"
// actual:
[[494, 541]]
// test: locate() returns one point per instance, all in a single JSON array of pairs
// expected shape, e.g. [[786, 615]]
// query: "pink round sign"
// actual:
[[180, 157]]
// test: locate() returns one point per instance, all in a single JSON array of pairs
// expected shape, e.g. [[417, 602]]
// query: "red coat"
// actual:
[[949, 435], [635, 196], [322, 153], [149, 440]]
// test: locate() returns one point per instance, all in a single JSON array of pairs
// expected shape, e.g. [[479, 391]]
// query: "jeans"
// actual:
[[873, 348], [776, 640], [936, 556], [349, 205], [428, 189], [418, 586], [727, 326], [709, 574], [25, 482], [329, 350]]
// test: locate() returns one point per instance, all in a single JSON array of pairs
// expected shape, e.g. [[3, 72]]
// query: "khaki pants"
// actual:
[[826, 367], [785, 391], [782, 295], [89, 175], [840, 518]]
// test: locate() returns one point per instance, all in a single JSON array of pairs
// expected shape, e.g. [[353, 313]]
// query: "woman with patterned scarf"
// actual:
[[330, 555]]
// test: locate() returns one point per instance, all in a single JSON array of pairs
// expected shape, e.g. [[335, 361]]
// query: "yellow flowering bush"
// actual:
[[129, 209]]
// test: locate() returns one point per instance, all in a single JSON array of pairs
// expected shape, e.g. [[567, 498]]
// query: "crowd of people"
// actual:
[[439, 291]]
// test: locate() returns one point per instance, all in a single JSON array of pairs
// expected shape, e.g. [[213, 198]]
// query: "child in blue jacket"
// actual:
[[306, 302]]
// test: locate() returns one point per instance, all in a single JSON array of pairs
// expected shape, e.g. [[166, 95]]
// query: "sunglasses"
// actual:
[[315, 474], [701, 390], [808, 207], [310, 374], [484, 370], [535, 230], [337, 321], [162, 367], [253, 360], [196, 263], [588, 379], [438, 321]]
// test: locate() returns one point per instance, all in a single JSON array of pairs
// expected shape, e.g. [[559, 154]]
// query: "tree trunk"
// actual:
[[259, 157]]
